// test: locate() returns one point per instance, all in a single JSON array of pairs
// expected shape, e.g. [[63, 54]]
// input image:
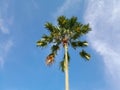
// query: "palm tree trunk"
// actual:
[[66, 68]]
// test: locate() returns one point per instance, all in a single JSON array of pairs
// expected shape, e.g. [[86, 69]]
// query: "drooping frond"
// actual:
[[74, 45], [68, 56], [62, 63], [55, 48], [85, 55], [50, 59]]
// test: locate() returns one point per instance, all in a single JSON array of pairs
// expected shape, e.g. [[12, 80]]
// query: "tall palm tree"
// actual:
[[67, 33]]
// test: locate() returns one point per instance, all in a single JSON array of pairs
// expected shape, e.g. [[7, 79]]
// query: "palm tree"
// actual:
[[68, 33]]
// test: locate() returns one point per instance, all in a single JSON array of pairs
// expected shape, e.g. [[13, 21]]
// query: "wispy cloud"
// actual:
[[4, 50], [35, 4], [103, 15], [69, 7], [5, 21], [3, 28], [1, 62]]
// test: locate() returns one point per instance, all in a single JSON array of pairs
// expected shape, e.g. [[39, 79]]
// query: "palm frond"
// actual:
[[41, 43], [47, 38], [75, 36], [55, 48], [82, 44], [85, 55], [49, 26], [68, 57], [72, 22], [50, 59], [62, 65], [74, 45], [62, 21], [85, 29]]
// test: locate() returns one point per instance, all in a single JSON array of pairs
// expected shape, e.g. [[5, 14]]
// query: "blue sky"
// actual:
[[22, 65]]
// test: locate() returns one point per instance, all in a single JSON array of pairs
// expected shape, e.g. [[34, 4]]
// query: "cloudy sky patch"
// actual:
[[103, 16]]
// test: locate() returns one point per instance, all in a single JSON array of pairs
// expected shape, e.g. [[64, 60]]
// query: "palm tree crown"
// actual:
[[68, 31]]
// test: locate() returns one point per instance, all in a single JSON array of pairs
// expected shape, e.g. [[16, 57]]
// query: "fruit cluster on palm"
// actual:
[[68, 33]]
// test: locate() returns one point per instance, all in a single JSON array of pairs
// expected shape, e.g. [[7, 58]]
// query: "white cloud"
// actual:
[[69, 7], [104, 17], [5, 21], [3, 28], [4, 50], [1, 62], [8, 45]]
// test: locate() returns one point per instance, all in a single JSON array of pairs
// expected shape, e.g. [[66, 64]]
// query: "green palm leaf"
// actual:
[[62, 63], [50, 59], [76, 44], [49, 26], [55, 48], [41, 43], [47, 38], [82, 44], [62, 21], [72, 22], [85, 55], [85, 29]]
